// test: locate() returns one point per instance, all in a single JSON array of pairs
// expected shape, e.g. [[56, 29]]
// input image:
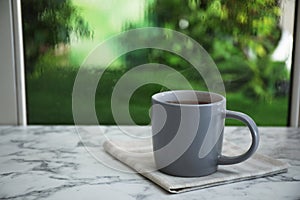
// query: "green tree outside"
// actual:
[[239, 35]]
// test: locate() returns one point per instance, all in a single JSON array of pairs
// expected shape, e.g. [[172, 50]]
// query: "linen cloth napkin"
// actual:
[[139, 156]]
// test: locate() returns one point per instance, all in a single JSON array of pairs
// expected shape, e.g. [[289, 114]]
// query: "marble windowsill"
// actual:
[[63, 162]]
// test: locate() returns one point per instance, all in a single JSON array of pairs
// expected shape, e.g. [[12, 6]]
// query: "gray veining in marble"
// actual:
[[55, 162]]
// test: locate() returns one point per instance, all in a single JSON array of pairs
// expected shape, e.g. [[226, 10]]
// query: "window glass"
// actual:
[[250, 42]]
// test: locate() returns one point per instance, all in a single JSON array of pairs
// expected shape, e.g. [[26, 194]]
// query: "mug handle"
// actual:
[[226, 160]]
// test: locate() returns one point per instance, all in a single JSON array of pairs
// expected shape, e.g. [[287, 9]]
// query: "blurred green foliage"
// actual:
[[239, 35], [48, 23]]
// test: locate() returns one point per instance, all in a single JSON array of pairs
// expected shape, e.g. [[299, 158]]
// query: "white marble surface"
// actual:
[[66, 162]]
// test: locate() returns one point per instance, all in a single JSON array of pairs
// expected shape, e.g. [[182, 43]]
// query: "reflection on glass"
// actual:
[[247, 40]]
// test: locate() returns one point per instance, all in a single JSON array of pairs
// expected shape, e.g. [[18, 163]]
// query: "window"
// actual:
[[246, 48]]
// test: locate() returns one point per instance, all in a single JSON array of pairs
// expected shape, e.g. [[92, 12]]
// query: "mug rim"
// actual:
[[156, 97]]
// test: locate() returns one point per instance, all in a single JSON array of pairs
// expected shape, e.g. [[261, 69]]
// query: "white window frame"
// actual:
[[12, 76], [294, 119]]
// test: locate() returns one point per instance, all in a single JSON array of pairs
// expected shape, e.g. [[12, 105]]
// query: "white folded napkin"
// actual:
[[139, 156]]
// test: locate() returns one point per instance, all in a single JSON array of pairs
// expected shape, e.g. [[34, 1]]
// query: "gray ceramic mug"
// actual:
[[187, 132]]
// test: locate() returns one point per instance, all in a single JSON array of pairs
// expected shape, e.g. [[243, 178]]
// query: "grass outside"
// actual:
[[49, 100]]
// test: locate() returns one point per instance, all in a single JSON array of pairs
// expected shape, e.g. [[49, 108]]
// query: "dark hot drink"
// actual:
[[189, 102]]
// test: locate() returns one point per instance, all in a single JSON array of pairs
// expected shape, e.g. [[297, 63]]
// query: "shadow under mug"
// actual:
[[187, 132]]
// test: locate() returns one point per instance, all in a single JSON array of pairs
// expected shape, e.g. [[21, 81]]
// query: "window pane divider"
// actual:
[[295, 90], [19, 62]]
